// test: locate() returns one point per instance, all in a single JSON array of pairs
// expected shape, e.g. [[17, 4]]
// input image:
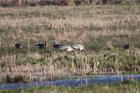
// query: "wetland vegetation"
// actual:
[[103, 30]]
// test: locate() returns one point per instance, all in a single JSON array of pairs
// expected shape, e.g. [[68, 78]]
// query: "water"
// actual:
[[102, 79]]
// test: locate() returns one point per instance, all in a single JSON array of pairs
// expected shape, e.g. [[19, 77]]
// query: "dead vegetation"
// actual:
[[103, 30]]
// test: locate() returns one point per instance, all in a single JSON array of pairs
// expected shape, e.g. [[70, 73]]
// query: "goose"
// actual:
[[56, 45], [126, 46], [18, 46], [66, 48], [62, 47], [79, 47], [41, 45]]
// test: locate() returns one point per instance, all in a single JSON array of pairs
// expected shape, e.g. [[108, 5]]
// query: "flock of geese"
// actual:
[[58, 46], [62, 47]]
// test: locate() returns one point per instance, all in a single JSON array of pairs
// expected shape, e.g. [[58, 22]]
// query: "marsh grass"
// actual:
[[103, 30], [61, 64]]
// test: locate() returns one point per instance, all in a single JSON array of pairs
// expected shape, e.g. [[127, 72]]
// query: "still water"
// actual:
[[98, 79]]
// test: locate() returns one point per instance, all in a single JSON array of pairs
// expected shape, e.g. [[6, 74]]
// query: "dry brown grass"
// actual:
[[69, 28], [95, 27]]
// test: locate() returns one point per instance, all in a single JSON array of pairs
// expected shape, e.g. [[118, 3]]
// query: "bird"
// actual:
[[126, 46], [56, 45], [62, 47], [67, 48], [18, 46], [40, 45], [79, 47]]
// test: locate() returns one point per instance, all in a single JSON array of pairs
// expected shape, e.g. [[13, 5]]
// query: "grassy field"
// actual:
[[103, 30]]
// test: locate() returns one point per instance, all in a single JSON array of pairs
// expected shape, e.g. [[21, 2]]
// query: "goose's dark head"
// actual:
[[18, 46], [126, 46]]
